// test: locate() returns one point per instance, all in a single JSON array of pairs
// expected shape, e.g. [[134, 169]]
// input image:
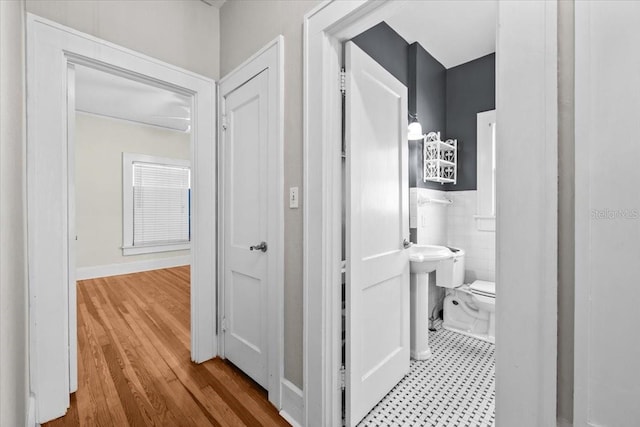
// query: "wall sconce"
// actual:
[[415, 128]]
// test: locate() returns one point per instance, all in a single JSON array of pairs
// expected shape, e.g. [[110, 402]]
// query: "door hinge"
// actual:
[[225, 122], [224, 324], [343, 81], [342, 377]]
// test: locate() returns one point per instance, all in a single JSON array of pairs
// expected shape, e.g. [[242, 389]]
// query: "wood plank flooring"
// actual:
[[134, 366]]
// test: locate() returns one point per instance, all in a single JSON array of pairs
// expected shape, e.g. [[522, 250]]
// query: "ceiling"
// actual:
[[452, 31], [106, 94]]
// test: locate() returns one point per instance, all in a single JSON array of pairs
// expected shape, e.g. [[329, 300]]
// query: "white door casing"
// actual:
[[525, 370], [51, 49], [251, 212], [607, 214], [245, 204], [377, 225], [71, 224]]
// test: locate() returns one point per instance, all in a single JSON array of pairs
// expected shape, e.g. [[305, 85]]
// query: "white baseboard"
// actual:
[[561, 422], [84, 273], [31, 413], [292, 404]]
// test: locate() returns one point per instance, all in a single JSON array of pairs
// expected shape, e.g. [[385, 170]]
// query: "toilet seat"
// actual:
[[483, 288]]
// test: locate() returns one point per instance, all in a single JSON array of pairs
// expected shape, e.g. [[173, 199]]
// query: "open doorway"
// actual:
[[444, 225], [130, 232], [327, 28], [54, 55]]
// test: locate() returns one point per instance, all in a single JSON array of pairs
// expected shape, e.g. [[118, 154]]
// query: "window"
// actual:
[[486, 154], [156, 204]]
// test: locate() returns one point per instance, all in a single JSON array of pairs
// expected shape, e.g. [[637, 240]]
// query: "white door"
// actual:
[[246, 243], [377, 305]]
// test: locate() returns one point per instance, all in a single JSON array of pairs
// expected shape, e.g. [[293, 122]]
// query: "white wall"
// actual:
[[100, 142], [429, 219], [245, 27], [462, 231], [13, 281], [182, 33], [453, 225], [607, 213]]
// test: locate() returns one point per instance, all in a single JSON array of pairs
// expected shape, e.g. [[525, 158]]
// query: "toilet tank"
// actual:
[[450, 272]]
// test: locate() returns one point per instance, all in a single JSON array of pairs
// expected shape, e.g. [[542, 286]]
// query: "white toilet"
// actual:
[[468, 309]]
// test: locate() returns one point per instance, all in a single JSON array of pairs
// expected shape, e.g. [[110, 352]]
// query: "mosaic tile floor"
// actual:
[[455, 388]]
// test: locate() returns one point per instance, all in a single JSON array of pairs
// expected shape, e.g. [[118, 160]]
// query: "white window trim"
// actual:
[[485, 132], [127, 205]]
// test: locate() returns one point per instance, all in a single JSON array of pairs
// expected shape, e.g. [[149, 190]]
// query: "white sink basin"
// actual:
[[425, 258]]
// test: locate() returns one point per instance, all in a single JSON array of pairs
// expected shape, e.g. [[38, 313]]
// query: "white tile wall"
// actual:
[[453, 225], [462, 232], [430, 219]]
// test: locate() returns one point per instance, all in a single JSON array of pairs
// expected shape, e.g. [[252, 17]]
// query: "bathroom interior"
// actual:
[[450, 79]]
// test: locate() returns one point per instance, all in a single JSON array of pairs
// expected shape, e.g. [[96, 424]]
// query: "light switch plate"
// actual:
[[293, 197]]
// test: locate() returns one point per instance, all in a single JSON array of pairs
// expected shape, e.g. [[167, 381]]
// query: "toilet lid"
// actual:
[[482, 287]]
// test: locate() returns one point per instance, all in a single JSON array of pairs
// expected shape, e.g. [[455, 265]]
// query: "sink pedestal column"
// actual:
[[420, 316]]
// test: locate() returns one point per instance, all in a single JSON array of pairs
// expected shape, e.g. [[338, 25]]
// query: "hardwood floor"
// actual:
[[134, 363]]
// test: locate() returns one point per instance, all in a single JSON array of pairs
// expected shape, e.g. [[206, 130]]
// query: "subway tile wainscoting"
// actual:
[[462, 230], [455, 228]]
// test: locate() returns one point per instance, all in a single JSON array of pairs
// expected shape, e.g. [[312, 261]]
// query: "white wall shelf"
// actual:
[[440, 159]]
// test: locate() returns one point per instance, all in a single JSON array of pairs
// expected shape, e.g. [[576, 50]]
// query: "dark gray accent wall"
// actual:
[[444, 100], [388, 49], [427, 99], [470, 89]]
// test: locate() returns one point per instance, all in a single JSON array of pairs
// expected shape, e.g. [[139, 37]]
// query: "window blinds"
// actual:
[[161, 208]]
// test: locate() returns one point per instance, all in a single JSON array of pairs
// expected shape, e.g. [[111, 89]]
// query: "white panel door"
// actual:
[[245, 133], [377, 305]]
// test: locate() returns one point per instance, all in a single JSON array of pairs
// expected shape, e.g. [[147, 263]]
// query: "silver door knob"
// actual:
[[262, 246], [406, 244]]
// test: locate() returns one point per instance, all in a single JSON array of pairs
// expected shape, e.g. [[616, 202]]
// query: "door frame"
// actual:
[[361, 73], [270, 57], [600, 215], [526, 362], [51, 49]]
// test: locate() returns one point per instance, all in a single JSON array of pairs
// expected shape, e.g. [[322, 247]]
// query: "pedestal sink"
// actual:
[[423, 260]]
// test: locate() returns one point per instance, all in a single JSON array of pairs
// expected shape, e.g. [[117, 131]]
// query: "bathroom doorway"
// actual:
[[423, 193], [322, 277]]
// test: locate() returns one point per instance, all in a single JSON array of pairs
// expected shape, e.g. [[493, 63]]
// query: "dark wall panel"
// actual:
[[470, 89], [388, 48], [445, 100], [427, 82]]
